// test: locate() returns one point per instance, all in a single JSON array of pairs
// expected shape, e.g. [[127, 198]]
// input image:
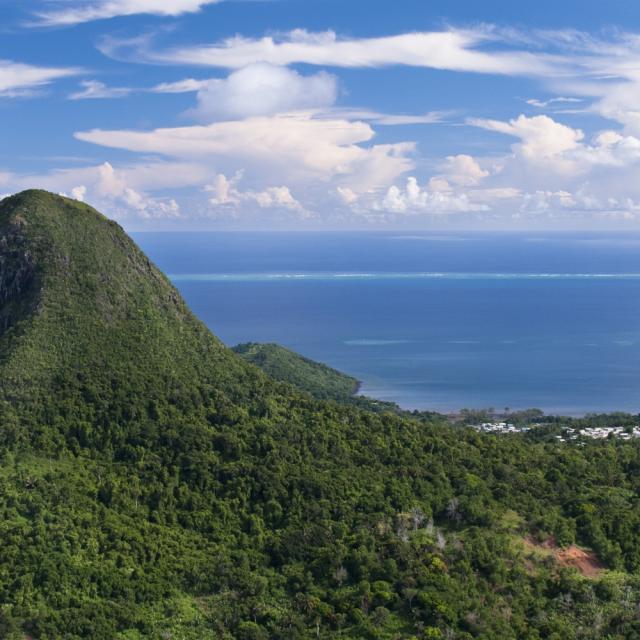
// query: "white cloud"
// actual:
[[463, 170], [225, 192], [277, 197], [451, 192], [278, 148], [416, 199], [79, 193], [264, 89], [18, 79], [543, 104], [92, 89], [455, 50], [112, 185], [554, 151], [121, 192], [279, 126], [79, 12], [188, 85], [541, 136], [259, 89], [557, 173], [316, 92]]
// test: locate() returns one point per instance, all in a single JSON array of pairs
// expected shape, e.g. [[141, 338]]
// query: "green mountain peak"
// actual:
[[87, 319]]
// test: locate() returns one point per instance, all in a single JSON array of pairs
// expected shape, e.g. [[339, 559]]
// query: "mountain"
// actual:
[[88, 321], [282, 364], [153, 484]]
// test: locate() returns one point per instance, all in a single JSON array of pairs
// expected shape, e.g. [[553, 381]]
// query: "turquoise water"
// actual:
[[433, 321]]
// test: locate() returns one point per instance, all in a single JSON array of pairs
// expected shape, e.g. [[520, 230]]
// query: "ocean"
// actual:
[[435, 321]]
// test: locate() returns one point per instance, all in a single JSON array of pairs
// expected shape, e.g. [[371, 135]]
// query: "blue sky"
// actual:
[[197, 114]]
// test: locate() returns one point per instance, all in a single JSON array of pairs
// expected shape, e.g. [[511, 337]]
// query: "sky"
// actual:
[[326, 114]]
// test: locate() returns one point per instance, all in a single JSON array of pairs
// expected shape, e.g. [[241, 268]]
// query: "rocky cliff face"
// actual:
[[18, 277]]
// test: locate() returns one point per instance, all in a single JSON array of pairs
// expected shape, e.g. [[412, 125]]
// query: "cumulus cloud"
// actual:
[[79, 193], [463, 170], [264, 89], [553, 147], [541, 136], [455, 190], [225, 192], [112, 186], [416, 199], [556, 171], [315, 92], [78, 12], [18, 79], [455, 50]]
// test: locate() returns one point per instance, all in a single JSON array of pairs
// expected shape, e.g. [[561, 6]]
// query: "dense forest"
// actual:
[[154, 484]]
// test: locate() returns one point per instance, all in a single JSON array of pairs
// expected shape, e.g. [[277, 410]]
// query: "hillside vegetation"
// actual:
[[153, 484], [317, 379]]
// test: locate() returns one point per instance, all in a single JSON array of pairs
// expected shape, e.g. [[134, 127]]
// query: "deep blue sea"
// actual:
[[430, 320]]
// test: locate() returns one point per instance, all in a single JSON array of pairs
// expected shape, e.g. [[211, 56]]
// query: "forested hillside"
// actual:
[[282, 364], [155, 485]]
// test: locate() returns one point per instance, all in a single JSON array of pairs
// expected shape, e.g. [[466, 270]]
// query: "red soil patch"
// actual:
[[584, 560]]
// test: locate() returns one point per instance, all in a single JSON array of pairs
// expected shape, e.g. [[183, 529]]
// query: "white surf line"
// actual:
[[324, 276]]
